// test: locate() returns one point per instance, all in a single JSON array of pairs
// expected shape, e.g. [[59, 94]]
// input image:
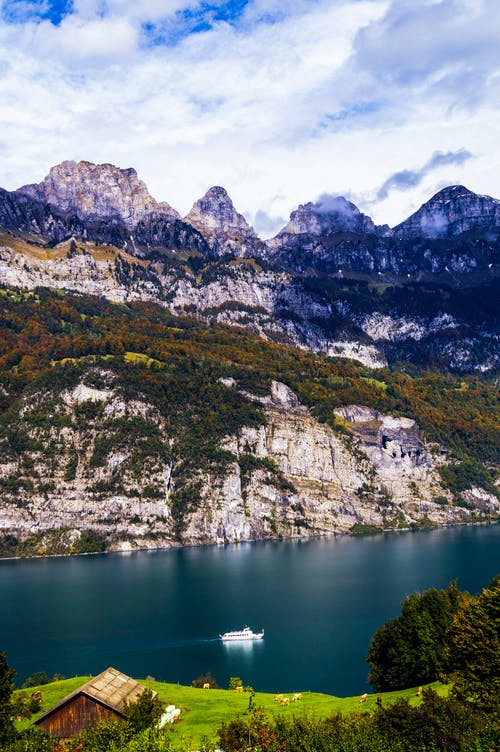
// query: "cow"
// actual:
[[363, 698], [238, 689], [297, 696], [284, 700], [206, 685]]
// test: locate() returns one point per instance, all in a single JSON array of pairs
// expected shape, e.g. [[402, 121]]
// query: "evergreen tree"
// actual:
[[6, 688]]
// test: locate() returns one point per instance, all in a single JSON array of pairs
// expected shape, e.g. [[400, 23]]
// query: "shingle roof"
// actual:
[[111, 688]]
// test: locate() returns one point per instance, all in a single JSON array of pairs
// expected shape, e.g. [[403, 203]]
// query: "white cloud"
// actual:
[[77, 40], [279, 107]]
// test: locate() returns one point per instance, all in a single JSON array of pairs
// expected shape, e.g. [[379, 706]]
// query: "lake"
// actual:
[[159, 613]]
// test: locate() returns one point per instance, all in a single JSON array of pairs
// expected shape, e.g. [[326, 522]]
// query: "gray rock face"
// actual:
[[90, 192], [334, 215], [226, 230], [328, 488], [449, 213], [388, 441]]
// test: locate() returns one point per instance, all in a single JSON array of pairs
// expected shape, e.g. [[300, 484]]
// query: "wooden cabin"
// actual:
[[103, 697]]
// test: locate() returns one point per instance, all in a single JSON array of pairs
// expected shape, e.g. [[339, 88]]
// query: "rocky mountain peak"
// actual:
[[215, 211], [226, 230], [327, 215], [450, 212], [93, 192]]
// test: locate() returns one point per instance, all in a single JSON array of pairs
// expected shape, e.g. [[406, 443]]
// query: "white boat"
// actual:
[[242, 634]]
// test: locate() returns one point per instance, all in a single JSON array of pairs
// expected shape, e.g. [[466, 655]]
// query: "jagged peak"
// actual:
[[327, 214], [217, 192], [101, 191], [215, 211], [451, 211], [451, 192]]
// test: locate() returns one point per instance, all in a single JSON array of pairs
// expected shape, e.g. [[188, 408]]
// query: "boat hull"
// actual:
[[241, 635]]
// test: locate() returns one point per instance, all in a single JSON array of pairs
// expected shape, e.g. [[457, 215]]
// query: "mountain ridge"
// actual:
[[76, 187], [238, 389], [329, 281]]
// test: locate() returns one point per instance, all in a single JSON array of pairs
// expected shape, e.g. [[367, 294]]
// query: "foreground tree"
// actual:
[[6, 688], [474, 651], [409, 650], [144, 712]]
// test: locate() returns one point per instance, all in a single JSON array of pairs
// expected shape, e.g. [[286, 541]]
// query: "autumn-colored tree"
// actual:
[[474, 651]]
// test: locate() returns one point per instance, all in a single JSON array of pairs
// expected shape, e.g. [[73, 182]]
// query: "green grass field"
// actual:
[[204, 710]]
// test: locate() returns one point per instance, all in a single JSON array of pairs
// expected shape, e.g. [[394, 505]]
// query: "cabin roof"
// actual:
[[110, 688]]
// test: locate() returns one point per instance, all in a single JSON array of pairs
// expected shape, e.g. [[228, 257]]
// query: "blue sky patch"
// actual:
[[22, 11], [193, 21]]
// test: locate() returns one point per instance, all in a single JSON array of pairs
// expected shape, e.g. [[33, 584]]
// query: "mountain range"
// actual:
[[330, 280], [168, 379]]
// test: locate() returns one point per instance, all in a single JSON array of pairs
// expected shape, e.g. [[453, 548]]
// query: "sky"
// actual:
[[280, 101]]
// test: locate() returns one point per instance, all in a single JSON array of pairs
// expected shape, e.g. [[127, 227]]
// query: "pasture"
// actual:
[[203, 710]]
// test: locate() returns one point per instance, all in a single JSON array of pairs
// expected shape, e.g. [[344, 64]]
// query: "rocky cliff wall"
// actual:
[[292, 476]]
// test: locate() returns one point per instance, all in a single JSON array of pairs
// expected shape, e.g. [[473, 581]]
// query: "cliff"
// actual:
[[289, 476]]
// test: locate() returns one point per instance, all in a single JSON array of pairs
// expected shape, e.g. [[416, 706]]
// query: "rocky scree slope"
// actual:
[[330, 281]]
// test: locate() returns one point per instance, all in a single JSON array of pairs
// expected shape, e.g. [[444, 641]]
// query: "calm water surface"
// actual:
[[159, 613]]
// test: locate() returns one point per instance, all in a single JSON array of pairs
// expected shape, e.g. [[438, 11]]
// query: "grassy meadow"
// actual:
[[204, 710]]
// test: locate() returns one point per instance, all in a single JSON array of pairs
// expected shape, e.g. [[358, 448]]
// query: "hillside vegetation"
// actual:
[[52, 342], [204, 711]]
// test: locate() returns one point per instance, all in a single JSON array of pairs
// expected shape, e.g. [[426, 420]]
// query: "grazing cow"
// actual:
[[284, 700], [238, 689], [278, 698], [297, 696], [206, 685], [364, 697]]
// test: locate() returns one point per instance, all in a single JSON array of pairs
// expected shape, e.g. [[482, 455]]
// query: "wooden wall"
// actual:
[[77, 715]]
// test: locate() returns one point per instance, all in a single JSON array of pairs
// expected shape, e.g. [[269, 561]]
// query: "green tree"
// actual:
[[32, 740], [474, 650], [6, 688], [144, 712], [37, 679], [408, 650], [205, 679]]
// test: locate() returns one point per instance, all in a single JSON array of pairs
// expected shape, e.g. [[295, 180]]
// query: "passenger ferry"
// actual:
[[242, 634]]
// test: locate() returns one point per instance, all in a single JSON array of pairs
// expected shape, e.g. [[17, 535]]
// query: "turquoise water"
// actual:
[[159, 613]]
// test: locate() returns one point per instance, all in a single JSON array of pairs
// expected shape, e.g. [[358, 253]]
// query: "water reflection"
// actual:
[[245, 646]]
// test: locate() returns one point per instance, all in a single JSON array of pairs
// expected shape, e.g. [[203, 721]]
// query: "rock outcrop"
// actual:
[[327, 216], [292, 476], [93, 192], [225, 229], [449, 213]]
